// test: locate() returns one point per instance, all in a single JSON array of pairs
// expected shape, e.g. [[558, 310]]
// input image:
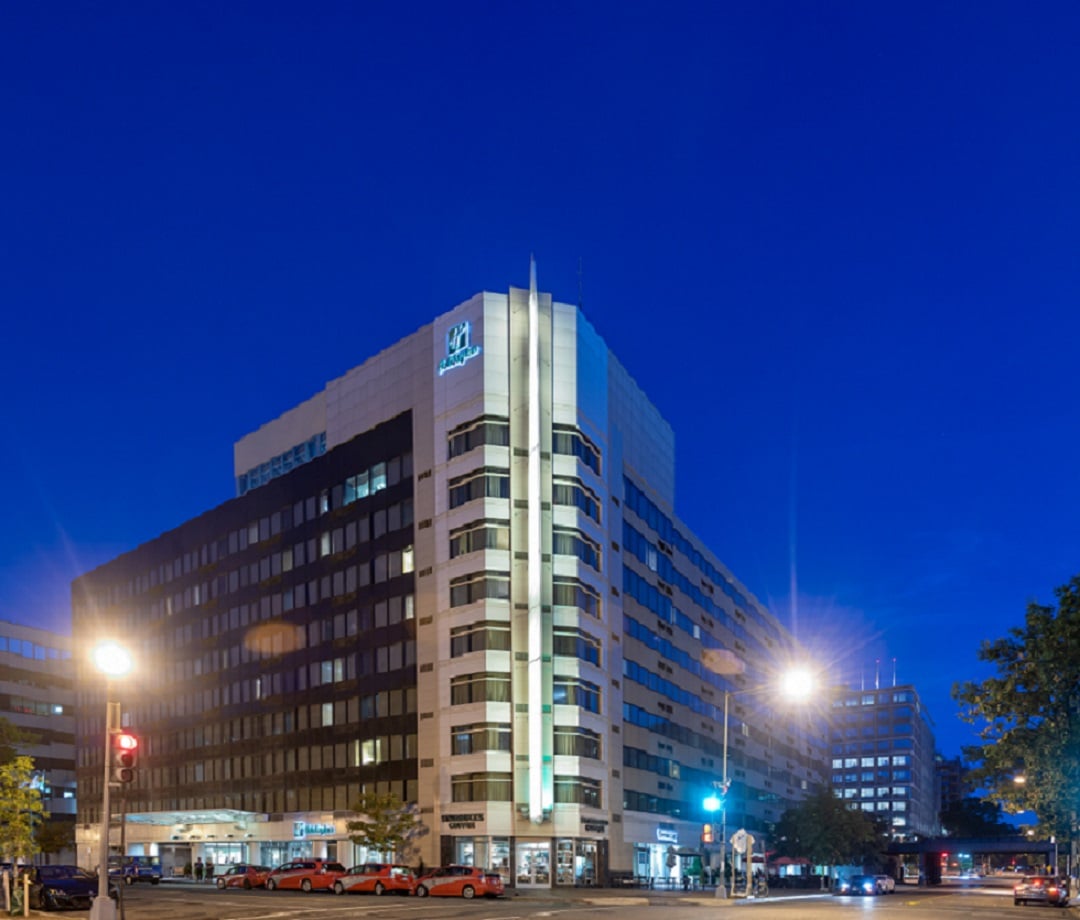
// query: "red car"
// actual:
[[306, 875], [243, 876], [377, 878], [459, 882]]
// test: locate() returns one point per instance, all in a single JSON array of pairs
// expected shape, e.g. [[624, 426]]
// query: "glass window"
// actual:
[[479, 535], [481, 736], [479, 688], [572, 691], [479, 585], [480, 636], [575, 543], [571, 442], [575, 789], [574, 741], [486, 482], [570, 592], [481, 787], [576, 643], [492, 430], [576, 494]]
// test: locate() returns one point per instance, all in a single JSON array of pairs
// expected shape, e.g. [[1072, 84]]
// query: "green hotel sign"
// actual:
[[459, 347]]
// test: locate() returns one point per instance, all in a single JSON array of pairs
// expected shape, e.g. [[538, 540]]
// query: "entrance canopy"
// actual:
[[212, 816]]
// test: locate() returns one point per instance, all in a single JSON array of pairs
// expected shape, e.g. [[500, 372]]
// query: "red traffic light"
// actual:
[[124, 756]]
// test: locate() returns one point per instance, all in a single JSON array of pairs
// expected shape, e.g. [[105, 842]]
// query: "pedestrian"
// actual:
[[209, 870], [198, 869]]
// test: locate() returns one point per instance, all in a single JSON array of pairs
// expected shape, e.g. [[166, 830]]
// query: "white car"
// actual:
[[886, 884]]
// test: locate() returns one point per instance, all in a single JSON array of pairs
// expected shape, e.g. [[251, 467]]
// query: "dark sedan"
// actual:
[[59, 887], [858, 884]]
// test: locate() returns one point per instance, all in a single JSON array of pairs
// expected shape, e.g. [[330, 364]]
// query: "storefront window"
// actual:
[[465, 851], [585, 863], [534, 864], [564, 862], [500, 855]]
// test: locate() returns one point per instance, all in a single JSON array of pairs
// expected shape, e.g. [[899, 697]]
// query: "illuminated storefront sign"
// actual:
[[664, 835], [302, 829], [459, 347]]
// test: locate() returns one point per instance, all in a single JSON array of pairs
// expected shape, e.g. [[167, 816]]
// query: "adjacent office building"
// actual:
[[456, 574], [37, 695], [883, 758]]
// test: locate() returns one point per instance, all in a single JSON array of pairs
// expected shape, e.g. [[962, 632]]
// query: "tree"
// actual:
[[825, 831], [11, 739], [1029, 759], [55, 836], [21, 810], [972, 817], [386, 826]]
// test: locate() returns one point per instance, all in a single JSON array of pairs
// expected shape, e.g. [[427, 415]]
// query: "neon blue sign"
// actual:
[[459, 347]]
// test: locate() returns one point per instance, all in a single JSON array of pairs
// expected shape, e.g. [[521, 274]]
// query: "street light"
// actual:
[[112, 660], [796, 685]]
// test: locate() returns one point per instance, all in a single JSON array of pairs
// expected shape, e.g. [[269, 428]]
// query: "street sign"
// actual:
[[738, 841]]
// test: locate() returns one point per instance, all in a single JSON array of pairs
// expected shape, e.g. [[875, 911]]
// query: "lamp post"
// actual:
[[112, 660], [796, 685]]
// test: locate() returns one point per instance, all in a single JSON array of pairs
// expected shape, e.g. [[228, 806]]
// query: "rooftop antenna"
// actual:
[[877, 674], [894, 672]]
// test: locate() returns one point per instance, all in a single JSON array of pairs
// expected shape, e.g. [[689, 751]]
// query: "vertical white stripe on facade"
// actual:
[[536, 631]]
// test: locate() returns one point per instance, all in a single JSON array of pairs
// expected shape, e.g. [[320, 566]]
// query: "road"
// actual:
[[190, 902]]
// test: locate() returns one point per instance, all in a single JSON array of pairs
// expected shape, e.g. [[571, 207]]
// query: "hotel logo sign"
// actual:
[[302, 830], [459, 347]]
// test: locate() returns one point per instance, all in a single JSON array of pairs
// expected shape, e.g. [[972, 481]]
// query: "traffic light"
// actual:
[[124, 749], [707, 834]]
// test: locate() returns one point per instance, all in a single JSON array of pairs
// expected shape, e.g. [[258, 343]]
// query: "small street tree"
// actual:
[[55, 836], [21, 810], [825, 831], [386, 825], [1029, 715], [11, 739]]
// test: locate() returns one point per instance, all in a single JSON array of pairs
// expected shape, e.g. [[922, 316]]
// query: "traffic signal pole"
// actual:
[[103, 907]]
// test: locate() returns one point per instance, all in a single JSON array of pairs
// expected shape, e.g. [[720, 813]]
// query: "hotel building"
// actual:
[[455, 574]]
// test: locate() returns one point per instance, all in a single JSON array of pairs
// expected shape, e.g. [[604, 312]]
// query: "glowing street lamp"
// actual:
[[796, 685], [112, 660]]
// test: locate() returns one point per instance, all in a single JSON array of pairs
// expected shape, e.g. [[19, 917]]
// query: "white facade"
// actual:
[[540, 367]]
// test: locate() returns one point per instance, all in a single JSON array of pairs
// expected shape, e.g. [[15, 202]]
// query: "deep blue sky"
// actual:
[[835, 243]]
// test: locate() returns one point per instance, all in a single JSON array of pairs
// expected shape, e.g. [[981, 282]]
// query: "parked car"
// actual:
[[305, 875], [459, 881], [858, 884], [376, 878], [1042, 889], [886, 883], [243, 876], [134, 869], [59, 887]]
